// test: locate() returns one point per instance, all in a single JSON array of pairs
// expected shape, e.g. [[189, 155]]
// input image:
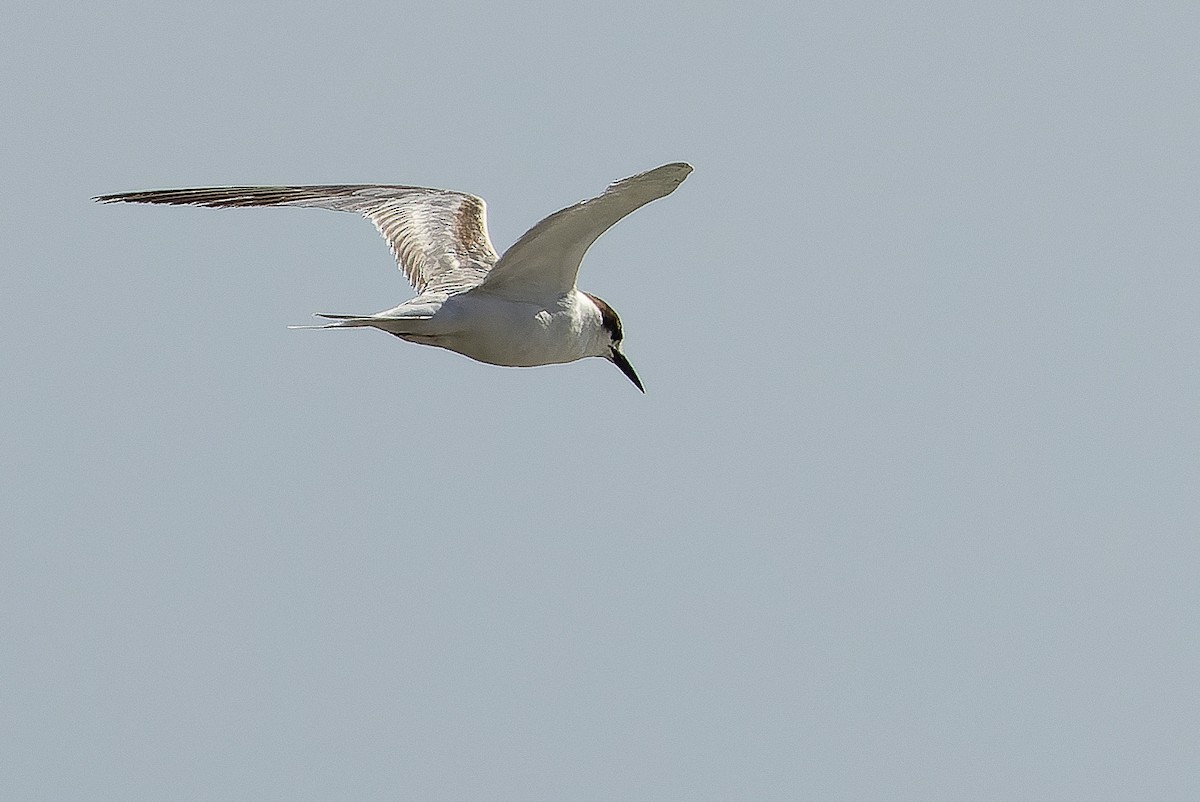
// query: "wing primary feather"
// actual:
[[438, 237]]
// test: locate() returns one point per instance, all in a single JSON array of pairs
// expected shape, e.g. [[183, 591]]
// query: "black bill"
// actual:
[[620, 361]]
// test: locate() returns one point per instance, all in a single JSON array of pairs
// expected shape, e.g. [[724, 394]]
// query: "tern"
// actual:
[[520, 309]]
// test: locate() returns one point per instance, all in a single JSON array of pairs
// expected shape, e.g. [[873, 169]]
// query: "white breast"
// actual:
[[504, 332]]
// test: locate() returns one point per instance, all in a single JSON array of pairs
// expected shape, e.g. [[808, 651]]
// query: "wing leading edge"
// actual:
[[544, 262]]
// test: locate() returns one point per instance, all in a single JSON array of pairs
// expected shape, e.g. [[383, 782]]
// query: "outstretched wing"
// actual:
[[439, 238], [544, 262]]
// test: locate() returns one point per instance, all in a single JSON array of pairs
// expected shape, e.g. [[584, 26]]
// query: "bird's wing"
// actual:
[[439, 238], [545, 260]]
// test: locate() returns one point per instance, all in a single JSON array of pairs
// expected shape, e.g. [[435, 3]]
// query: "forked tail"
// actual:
[[392, 325]]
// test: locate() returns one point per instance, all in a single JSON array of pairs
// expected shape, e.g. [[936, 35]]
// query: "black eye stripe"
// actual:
[[608, 318]]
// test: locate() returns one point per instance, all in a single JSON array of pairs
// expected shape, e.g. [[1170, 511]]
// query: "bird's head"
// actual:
[[610, 345]]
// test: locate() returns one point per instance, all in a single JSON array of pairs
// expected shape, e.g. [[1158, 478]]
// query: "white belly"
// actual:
[[502, 332]]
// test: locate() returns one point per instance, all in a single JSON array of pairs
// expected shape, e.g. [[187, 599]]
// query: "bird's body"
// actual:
[[522, 309], [497, 330]]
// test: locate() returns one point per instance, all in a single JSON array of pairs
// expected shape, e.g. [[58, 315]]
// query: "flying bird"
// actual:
[[520, 309]]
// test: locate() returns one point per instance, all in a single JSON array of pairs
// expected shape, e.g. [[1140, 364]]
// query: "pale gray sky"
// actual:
[[909, 510]]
